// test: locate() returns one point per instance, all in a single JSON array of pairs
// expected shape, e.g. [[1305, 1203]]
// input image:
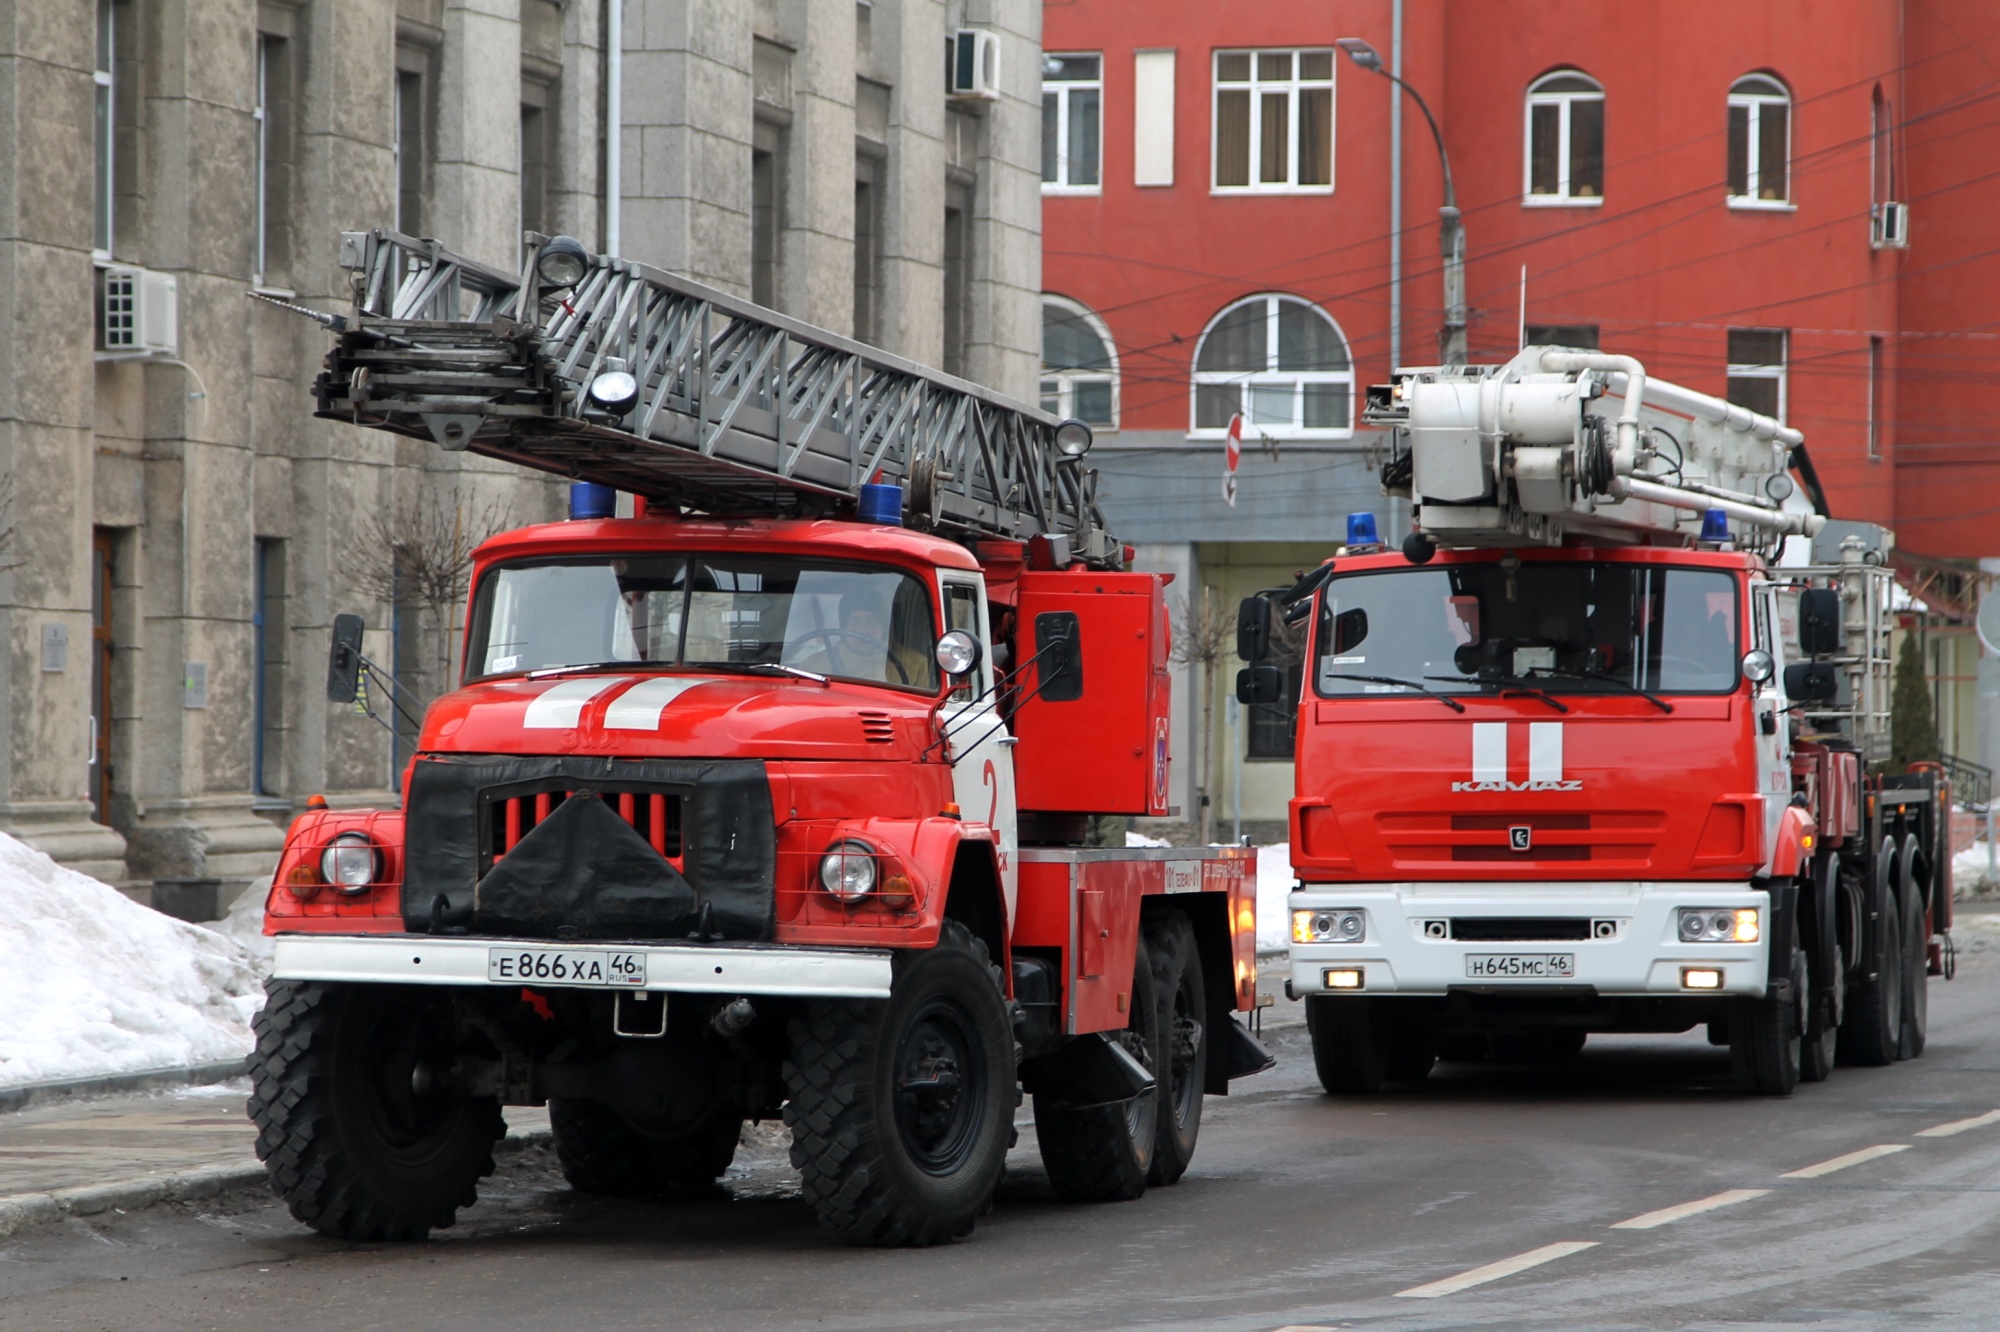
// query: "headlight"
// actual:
[[957, 652], [562, 262], [1329, 925], [348, 863], [848, 871], [1720, 925]]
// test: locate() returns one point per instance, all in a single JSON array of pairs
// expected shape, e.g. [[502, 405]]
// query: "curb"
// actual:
[[34, 1093]]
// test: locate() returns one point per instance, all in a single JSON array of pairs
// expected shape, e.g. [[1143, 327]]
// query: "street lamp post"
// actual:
[[1451, 227]]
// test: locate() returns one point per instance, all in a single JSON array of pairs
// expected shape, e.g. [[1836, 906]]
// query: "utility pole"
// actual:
[[1451, 226]]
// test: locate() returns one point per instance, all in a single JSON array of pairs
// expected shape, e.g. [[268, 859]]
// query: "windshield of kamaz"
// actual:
[[850, 621], [1562, 627]]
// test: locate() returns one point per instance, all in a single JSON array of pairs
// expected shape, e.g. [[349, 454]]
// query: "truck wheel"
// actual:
[[1915, 1027], [356, 1145], [1872, 1028], [901, 1111], [1183, 999], [1462, 1047], [1346, 1052], [1816, 1047], [1105, 1153], [1765, 1035], [602, 1154]]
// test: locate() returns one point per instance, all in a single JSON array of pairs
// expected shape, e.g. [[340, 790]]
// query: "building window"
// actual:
[[764, 227], [1877, 393], [411, 138], [1282, 363], [1760, 142], [1565, 133], [538, 144], [1079, 365], [1757, 370], [1881, 144], [957, 276], [1072, 123], [107, 125], [1561, 335], [867, 247], [268, 685], [1274, 120], [273, 117]]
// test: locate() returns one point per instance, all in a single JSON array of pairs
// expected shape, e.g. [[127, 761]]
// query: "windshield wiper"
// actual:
[[1445, 699], [799, 671], [1506, 684], [546, 671], [1626, 685]]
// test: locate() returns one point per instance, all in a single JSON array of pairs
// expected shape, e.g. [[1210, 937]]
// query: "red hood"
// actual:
[[694, 714]]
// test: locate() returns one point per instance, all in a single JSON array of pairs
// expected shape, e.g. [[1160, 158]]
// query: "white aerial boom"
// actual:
[[1560, 442]]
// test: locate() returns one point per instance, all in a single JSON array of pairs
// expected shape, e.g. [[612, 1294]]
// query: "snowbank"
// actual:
[[1968, 873], [95, 984]]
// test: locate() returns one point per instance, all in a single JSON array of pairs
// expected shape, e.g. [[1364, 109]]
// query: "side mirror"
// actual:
[[343, 667], [1758, 666], [1811, 681], [1819, 622], [1253, 628], [1349, 628], [1259, 685], [1059, 653]]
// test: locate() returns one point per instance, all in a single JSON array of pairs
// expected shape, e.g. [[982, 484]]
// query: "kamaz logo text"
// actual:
[[1545, 760]]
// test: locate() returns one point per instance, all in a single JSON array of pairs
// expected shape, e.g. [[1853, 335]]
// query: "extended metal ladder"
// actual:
[[741, 410]]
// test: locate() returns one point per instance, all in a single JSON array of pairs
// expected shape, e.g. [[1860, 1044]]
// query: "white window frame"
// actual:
[[1067, 380], [1272, 375], [1257, 88], [106, 131], [1746, 370], [1062, 88], [1753, 104], [260, 113], [1564, 102]]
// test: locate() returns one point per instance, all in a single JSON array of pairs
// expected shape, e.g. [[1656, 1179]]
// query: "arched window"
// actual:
[[1079, 364], [1565, 139], [1282, 363], [1760, 142]]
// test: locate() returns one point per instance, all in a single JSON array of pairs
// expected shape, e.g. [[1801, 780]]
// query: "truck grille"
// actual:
[[1519, 929], [654, 815]]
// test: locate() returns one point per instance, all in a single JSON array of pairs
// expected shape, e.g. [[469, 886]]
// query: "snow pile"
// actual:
[[95, 984], [245, 924], [1968, 873], [1274, 886], [1140, 839]]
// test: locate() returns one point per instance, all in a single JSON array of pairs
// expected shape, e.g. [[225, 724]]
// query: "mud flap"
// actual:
[[1091, 1070], [1242, 1053]]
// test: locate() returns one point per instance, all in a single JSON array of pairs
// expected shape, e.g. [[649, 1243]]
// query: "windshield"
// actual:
[[1569, 627], [851, 621]]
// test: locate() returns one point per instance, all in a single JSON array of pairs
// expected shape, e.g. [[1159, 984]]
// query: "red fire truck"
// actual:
[[767, 798], [1601, 749]]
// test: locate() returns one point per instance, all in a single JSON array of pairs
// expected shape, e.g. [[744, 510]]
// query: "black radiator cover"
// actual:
[[583, 872]]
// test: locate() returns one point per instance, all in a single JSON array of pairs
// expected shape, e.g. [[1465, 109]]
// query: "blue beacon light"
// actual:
[[1714, 525], [1361, 531]]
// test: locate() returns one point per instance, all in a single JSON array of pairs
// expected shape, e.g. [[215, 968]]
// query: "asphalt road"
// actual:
[[1300, 1212]]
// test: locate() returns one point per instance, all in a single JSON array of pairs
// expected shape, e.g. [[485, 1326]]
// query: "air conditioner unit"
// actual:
[[138, 312], [972, 65], [1889, 226]]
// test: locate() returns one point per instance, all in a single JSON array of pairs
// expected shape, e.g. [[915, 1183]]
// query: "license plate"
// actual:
[[1560, 966], [566, 966]]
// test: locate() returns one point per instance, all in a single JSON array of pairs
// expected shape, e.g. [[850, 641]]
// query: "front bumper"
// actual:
[[748, 969], [1642, 956]]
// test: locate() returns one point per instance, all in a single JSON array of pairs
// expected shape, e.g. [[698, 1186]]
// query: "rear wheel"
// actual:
[[1871, 1030], [1816, 1046], [1765, 1035], [602, 1154], [1915, 1028], [1104, 1153], [1178, 988]]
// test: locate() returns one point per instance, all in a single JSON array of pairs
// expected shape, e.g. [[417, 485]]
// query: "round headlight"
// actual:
[[562, 262], [616, 391], [848, 870], [1692, 926], [1724, 924], [348, 863], [1350, 926], [957, 652], [1758, 666], [1073, 440]]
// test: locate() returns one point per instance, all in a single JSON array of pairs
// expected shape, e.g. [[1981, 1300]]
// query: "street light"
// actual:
[[1451, 229]]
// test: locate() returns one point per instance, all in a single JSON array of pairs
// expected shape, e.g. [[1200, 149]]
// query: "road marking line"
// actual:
[[1479, 1276], [1842, 1162], [1687, 1209], [1961, 1125]]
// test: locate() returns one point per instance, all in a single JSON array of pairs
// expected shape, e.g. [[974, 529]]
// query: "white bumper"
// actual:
[[398, 959], [1643, 956]]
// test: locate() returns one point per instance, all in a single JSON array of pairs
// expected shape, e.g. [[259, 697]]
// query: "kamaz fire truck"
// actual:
[[768, 799], [1601, 749]]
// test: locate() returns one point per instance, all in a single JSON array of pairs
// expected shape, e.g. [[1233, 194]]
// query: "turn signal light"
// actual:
[[1343, 978], [303, 882], [1700, 978]]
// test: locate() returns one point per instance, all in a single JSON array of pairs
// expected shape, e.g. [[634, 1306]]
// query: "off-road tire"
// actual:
[[602, 1154], [1347, 1053], [1914, 1031], [352, 1151], [861, 1174], [1765, 1035], [1871, 1030], [1183, 999], [1816, 1046], [1105, 1153]]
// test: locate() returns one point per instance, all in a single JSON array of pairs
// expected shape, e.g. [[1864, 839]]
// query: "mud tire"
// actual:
[[602, 1154], [1871, 1030], [1914, 1031], [1765, 1036], [1347, 1051], [1106, 1153], [352, 1150], [1183, 999]]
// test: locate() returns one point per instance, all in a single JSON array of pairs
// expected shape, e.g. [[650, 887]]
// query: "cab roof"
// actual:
[[827, 537]]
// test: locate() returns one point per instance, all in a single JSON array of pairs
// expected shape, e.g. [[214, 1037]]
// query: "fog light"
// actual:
[[1700, 978], [1342, 978]]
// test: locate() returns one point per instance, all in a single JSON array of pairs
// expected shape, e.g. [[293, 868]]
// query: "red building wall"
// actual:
[[1664, 267]]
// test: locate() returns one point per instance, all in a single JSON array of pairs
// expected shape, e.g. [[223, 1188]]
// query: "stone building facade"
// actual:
[[183, 530]]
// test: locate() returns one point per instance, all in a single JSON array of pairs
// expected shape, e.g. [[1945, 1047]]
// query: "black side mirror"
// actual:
[[1819, 622], [1811, 681], [1349, 628], [1259, 685], [1253, 629], [1059, 653], [343, 667]]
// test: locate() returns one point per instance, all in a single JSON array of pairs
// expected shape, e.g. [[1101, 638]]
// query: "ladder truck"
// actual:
[[1602, 747], [767, 800]]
